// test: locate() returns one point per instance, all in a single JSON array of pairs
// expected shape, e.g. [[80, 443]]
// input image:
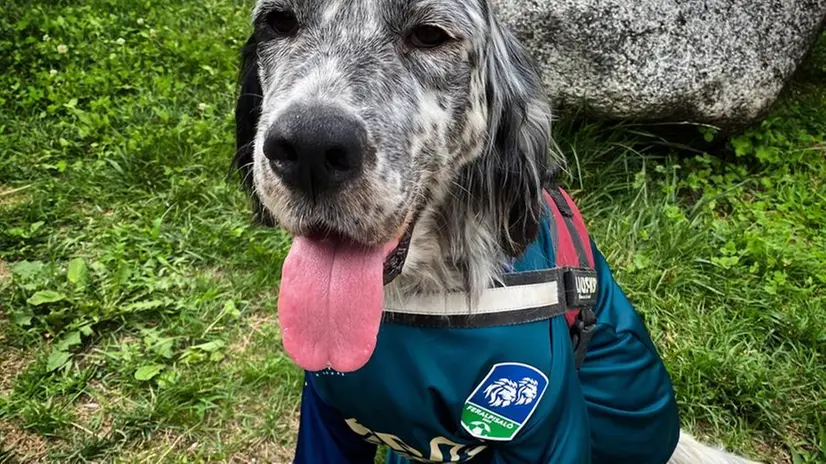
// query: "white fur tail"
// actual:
[[690, 451]]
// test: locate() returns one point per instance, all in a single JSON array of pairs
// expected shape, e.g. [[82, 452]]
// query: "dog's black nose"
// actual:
[[315, 149]]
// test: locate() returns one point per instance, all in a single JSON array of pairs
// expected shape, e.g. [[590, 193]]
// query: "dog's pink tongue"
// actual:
[[330, 303]]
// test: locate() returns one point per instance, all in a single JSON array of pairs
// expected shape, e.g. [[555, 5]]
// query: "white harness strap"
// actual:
[[493, 300], [521, 297]]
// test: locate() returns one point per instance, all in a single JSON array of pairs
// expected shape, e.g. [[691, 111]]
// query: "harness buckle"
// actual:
[[581, 333], [581, 294]]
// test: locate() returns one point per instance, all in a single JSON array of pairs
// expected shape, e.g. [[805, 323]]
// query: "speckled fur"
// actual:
[[460, 133]]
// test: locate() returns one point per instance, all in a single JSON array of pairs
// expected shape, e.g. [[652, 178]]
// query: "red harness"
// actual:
[[572, 248]]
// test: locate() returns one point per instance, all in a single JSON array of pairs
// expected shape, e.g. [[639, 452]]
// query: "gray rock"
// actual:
[[720, 62]]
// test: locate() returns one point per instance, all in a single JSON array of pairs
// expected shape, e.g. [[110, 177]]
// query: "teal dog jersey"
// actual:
[[501, 393]]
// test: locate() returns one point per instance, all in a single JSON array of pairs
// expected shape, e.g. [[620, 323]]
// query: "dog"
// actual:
[[405, 144]]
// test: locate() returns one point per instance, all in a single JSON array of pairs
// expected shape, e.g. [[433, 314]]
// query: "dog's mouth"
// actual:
[[393, 262], [332, 297]]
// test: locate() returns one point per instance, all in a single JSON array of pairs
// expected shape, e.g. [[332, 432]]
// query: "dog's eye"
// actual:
[[282, 22], [428, 37]]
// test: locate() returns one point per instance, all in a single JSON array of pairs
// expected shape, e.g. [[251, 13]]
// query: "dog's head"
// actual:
[[358, 117], [355, 115]]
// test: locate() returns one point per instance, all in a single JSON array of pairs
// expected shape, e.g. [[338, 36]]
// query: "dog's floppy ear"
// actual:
[[247, 114], [507, 180]]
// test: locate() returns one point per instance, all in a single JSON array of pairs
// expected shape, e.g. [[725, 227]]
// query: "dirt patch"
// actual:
[[217, 274], [13, 196], [5, 272], [257, 324], [171, 446], [12, 363], [262, 450], [247, 438], [91, 419], [100, 394], [778, 452], [22, 445], [162, 446]]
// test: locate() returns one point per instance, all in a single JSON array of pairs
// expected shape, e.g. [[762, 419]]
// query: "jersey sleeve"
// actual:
[[629, 396], [323, 435]]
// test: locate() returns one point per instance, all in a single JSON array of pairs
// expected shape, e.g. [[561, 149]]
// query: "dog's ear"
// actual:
[[247, 114], [507, 180]]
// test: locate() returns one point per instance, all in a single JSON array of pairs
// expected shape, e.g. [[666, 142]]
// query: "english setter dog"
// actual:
[[405, 146]]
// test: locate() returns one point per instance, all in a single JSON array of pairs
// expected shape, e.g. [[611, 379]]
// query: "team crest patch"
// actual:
[[504, 401]]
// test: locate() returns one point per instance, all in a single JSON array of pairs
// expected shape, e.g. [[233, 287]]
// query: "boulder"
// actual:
[[720, 62]]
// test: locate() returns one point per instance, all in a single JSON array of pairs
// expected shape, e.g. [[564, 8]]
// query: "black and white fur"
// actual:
[[460, 136]]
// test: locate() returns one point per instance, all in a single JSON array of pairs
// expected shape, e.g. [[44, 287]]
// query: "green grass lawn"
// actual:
[[137, 301]]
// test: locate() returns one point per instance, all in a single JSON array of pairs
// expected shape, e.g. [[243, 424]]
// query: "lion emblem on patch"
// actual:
[[505, 392]]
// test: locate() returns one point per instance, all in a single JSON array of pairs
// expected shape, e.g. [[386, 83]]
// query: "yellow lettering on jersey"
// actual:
[[457, 452], [393, 442]]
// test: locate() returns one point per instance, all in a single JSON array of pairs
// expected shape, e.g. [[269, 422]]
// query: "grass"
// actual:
[[136, 300]]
